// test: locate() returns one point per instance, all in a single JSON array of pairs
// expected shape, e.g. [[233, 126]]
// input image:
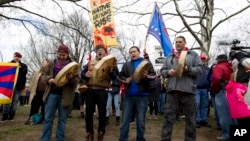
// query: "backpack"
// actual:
[[35, 119]]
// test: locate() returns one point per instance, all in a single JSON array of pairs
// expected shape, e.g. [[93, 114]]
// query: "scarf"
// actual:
[[59, 64], [178, 53]]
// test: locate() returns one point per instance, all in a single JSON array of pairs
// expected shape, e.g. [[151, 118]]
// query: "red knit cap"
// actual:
[[63, 49], [17, 54], [203, 57]]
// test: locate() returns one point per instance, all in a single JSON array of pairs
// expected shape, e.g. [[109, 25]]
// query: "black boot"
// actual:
[[82, 115], [90, 137], [100, 136], [11, 116], [5, 117], [107, 120], [117, 123]]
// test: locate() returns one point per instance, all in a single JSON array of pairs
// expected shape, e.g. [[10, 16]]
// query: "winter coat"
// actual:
[[68, 90], [202, 80], [220, 76], [99, 79], [154, 94], [128, 70], [188, 80], [38, 82], [235, 96], [21, 78]]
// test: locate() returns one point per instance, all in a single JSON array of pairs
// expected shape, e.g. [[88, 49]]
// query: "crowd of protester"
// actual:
[[162, 93]]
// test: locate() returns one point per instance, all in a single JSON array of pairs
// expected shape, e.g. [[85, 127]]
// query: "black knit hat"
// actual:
[[99, 47], [221, 57]]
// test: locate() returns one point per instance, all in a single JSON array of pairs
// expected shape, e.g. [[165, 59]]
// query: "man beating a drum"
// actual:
[[97, 80], [181, 68], [58, 97], [136, 78]]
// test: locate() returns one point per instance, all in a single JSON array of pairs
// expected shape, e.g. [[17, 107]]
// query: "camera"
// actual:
[[238, 51], [235, 42]]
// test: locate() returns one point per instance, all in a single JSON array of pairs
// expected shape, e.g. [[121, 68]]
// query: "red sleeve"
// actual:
[[216, 77]]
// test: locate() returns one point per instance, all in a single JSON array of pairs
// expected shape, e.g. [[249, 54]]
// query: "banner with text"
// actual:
[[103, 23], [8, 78]]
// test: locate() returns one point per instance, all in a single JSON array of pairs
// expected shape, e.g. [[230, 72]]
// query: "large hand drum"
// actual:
[[181, 64], [138, 74], [61, 77], [103, 66], [105, 62]]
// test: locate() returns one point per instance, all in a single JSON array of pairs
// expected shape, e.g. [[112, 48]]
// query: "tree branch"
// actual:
[[232, 15]]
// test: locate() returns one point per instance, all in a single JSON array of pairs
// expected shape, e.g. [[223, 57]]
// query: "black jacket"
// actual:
[[128, 70], [21, 78]]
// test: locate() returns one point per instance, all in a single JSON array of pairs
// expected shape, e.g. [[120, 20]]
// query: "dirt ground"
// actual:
[[17, 131]]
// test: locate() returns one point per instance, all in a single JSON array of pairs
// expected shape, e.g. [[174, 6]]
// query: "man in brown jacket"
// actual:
[[58, 98], [97, 93]]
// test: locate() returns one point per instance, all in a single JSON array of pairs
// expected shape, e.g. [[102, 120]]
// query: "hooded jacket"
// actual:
[[221, 75]]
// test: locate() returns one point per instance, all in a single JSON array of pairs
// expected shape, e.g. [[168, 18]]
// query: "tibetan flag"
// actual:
[[103, 23], [159, 31], [8, 78]]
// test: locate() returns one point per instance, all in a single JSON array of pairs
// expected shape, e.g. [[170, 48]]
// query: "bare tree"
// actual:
[[81, 42], [27, 15], [44, 44], [197, 17]]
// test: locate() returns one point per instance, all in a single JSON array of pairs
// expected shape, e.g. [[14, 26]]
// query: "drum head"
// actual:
[[138, 74], [102, 67], [61, 79], [105, 62], [181, 64]]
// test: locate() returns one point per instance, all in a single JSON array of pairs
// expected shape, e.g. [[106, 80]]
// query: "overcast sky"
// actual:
[[12, 35]]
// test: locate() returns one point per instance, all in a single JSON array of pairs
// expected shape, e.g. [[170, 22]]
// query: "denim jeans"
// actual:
[[10, 109], [53, 103], [131, 103], [223, 113], [215, 112], [161, 103], [116, 102], [202, 105]]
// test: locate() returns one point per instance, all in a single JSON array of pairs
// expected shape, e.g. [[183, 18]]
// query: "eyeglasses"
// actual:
[[131, 52]]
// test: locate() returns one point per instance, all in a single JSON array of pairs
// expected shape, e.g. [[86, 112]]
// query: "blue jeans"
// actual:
[[10, 109], [131, 103], [202, 105], [53, 103], [215, 112], [223, 113], [161, 103], [116, 102]]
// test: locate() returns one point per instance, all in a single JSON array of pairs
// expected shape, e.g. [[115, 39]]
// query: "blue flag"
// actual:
[[158, 30]]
